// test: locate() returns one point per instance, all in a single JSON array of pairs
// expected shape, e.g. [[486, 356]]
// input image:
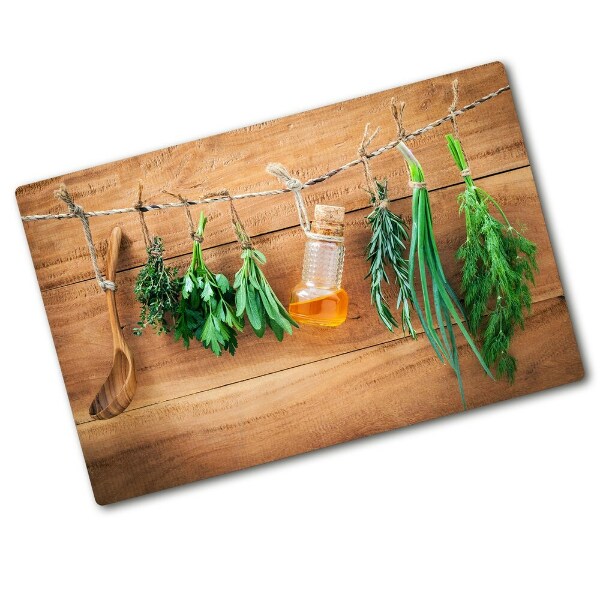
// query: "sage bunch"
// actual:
[[255, 298]]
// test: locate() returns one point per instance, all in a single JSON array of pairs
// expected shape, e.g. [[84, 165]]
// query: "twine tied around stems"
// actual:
[[63, 194], [139, 206], [466, 172], [417, 185], [190, 221], [238, 226], [397, 109], [295, 186]]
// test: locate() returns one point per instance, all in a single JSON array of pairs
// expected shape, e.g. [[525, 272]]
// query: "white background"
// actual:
[[499, 503]]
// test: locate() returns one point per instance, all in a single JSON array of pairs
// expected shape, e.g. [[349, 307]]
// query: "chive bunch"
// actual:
[[438, 296]]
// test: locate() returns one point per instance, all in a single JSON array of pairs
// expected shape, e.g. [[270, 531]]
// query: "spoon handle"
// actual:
[[112, 257]]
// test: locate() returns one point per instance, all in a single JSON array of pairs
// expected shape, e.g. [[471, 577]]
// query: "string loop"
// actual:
[[238, 226], [453, 114], [139, 206], [63, 194], [397, 109], [295, 185], [364, 158]]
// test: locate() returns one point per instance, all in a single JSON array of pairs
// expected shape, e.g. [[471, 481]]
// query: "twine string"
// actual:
[[452, 107], [77, 211], [363, 154], [295, 185], [466, 172], [397, 109], [138, 206], [188, 214], [238, 226], [266, 193]]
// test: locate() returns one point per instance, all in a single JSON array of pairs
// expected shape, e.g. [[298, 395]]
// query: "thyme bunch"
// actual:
[[206, 308], [157, 290], [256, 299], [425, 258], [386, 249], [499, 263]]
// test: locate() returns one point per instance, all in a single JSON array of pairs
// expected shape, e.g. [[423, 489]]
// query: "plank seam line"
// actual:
[[313, 181], [311, 362], [289, 227]]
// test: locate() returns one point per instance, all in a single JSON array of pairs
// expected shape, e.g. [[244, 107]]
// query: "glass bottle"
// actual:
[[319, 298]]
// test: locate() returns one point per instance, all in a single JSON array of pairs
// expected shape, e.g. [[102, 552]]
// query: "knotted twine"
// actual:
[[295, 186], [363, 154], [452, 110], [238, 226], [63, 194], [397, 109], [148, 240]]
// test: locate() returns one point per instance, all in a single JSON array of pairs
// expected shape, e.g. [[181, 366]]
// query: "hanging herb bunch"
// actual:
[[206, 309], [254, 296], [425, 258], [156, 287], [256, 299], [499, 263], [157, 290], [386, 247]]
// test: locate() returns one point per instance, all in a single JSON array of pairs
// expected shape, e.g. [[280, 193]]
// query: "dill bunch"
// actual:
[[425, 258], [157, 290], [386, 248], [499, 263], [255, 297], [206, 309]]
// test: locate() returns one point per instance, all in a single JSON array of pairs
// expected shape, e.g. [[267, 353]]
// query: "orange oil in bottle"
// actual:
[[327, 310]]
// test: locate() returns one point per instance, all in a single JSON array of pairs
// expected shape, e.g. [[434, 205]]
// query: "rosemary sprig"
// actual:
[[206, 311], [386, 248], [157, 290], [256, 299], [499, 262], [424, 256]]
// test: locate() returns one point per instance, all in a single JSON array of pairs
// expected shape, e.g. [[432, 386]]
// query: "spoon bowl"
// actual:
[[118, 389]]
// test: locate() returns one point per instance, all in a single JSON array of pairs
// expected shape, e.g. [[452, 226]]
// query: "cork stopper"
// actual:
[[329, 220]]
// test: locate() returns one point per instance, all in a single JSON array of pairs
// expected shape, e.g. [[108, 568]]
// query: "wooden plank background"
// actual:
[[196, 415]]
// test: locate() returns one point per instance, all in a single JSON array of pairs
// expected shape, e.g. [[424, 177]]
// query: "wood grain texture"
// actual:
[[308, 144], [195, 415], [118, 389], [237, 426], [166, 370]]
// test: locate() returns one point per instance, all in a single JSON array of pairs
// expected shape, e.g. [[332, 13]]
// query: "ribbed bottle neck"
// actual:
[[323, 264]]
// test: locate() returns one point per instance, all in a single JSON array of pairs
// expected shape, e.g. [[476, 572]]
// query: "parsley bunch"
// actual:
[[157, 290], [205, 310], [256, 299], [386, 248], [498, 264]]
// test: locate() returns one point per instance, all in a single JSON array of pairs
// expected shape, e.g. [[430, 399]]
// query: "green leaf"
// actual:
[[253, 309], [222, 282]]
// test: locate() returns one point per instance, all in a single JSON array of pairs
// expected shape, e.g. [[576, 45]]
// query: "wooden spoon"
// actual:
[[119, 388]]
